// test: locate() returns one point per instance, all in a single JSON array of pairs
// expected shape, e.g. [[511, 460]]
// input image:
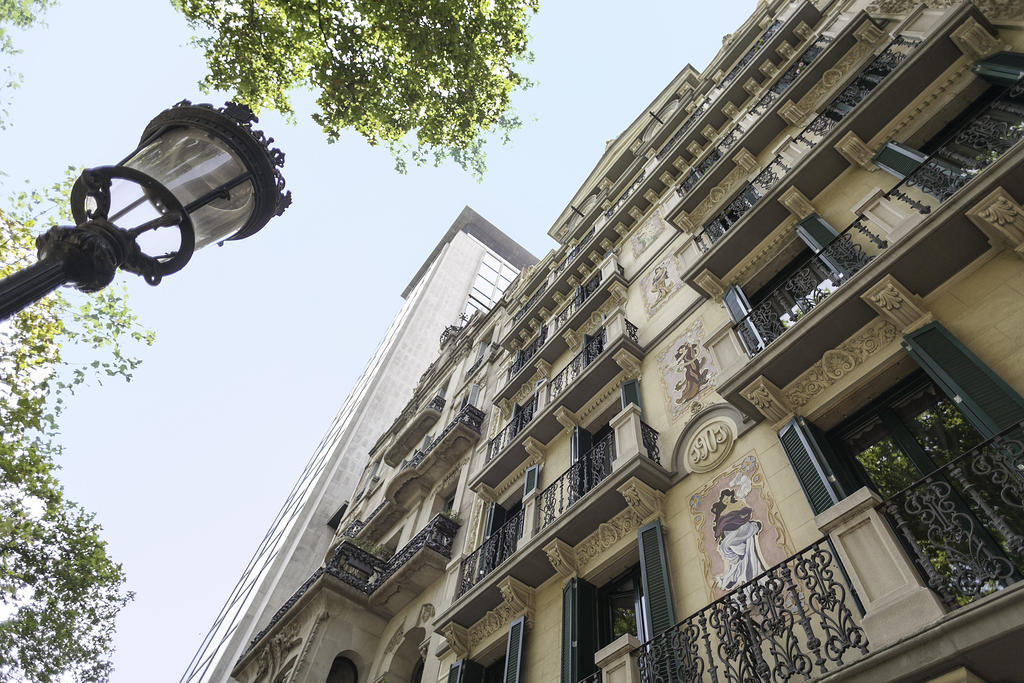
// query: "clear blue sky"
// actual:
[[259, 342]]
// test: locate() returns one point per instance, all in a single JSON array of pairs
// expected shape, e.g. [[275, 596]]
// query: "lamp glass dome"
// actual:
[[194, 165]]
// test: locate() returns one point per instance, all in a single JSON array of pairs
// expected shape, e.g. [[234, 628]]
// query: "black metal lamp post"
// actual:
[[199, 175]]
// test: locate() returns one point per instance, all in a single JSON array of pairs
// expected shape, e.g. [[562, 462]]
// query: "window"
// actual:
[[620, 608]]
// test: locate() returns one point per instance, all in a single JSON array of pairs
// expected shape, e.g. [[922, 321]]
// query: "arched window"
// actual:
[[343, 671]]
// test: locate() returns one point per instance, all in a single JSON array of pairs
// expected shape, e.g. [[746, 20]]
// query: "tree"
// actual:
[[386, 68], [59, 591], [21, 14]]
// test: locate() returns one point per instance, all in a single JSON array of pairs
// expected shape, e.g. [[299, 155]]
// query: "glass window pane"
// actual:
[[888, 468], [936, 424]]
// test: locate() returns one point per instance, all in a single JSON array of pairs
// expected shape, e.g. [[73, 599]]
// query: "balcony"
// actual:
[[362, 574], [569, 389], [588, 297], [916, 233], [569, 508], [425, 467], [414, 430], [810, 162]]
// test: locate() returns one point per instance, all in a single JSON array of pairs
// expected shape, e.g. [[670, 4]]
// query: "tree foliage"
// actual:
[[19, 14], [59, 591], [442, 69]]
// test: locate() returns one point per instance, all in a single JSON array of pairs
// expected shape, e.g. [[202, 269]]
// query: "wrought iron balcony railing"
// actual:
[[596, 677], [527, 354], [811, 283], [684, 128], [749, 55], [790, 75], [529, 304], [573, 253], [365, 571], [512, 429], [591, 350], [823, 124], [650, 437], [981, 141], [577, 481], [497, 548], [353, 529], [701, 169], [793, 620], [626, 194], [581, 296], [977, 144], [964, 523]]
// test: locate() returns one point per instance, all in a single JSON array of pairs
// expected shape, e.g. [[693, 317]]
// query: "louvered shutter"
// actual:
[[815, 232], [579, 630], [579, 443], [473, 397], [1002, 68], [658, 611], [988, 402], [466, 671], [629, 392], [900, 160], [455, 672], [809, 465], [495, 518], [514, 652], [738, 307]]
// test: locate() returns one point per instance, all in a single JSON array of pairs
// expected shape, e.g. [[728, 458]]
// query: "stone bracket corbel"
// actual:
[[796, 203], [711, 284], [562, 557], [856, 151], [768, 399], [629, 363], [566, 418], [644, 501], [898, 304], [572, 339], [535, 449], [458, 639], [1001, 218]]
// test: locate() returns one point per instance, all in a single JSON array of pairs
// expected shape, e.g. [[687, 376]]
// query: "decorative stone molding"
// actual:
[[803, 30], [709, 132], [768, 399], [427, 612], [896, 303], [730, 110], [618, 293], [869, 33], [751, 86], [458, 639], [838, 362], [566, 418], [710, 445], [757, 257], [535, 448], [303, 659], [684, 222], [791, 113], [711, 284], [1001, 218], [768, 68], [396, 639], [635, 213], [605, 536], [974, 40], [629, 363], [275, 651], [572, 340], [517, 599], [562, 557], [644, 501], [856, 151], [694, 148], [785, 50], [745, 160], [666, 179], [796, 203]]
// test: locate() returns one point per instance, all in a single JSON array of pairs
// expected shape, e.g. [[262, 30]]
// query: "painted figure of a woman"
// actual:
[[736, 534]]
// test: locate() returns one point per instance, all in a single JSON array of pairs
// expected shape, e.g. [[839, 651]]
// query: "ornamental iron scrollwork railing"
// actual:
[[684, 128], [595, 677], [353, 529], [650, 438], [808, 285], [573, 253], [592, 348], [749, 55], [451, 331], [633, 332], [512, 429], [416, 459], [790, 75], [580, 479], [626, 194], [365, 571], [964, 523], [470, 416], [701, 169], [974, 146], [530, 303], [437, 403], [581, 296], [797, 620], [857, 91], [524, 357], [497, 548]]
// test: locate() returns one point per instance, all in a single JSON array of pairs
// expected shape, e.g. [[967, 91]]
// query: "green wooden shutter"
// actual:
[[815, 232], [530, 479], [514, 652], [579, 630], [579, 443], [658, 611], [629, 392], [1002, 68], [466, 671], [900, 160], [988, 402], [809, 465]]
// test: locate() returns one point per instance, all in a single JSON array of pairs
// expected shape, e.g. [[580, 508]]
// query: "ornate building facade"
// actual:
[[757, 417]]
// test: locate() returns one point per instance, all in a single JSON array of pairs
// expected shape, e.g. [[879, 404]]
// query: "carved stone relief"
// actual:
[[660, 284], [686, 369], [710, 445]]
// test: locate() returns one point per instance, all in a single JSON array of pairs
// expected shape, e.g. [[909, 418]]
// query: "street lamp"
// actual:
[[199, 175]]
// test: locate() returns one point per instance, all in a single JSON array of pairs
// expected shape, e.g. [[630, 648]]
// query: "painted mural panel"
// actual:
[[739, 531], [647, 233], [686, 369], [660, 284]]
